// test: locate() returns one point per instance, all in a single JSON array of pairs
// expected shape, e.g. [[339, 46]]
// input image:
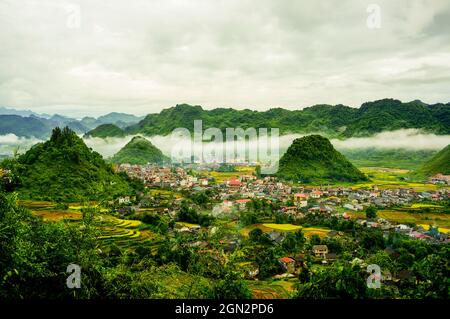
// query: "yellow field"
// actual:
[[268, 227], [188, 225], [283, 227], [56, 215], [386, 178]]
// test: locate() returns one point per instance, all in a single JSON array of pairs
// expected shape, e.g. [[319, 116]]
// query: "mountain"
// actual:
[[439, 163], [121, 120], [24, 113], [139, 151], [330, 120], [313, 159], [65, 169], [106, 130], [23, 126], [115, 117]]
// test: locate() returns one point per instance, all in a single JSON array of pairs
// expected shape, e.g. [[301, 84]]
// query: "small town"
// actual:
[[294, 201]]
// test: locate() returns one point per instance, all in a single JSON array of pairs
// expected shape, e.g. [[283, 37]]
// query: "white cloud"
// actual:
[[146, 55]]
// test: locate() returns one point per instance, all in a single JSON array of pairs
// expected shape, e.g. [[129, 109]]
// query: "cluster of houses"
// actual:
[[175, 178], [440, 179]]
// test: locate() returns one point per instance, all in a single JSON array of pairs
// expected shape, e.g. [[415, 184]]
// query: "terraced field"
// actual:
[[281, 289], [125, 233], [121, 232]]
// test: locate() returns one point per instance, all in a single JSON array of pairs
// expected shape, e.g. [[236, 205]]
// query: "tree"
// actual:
[[371, 212]]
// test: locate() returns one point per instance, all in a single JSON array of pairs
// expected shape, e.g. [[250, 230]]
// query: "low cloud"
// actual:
[[412, 139], [406, 139]]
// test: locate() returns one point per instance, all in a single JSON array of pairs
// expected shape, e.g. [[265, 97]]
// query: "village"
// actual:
[[295, 201]]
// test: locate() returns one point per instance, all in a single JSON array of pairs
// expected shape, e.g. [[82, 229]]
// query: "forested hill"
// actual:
[[313, 159], [65, 169], [329, 120], [439, 163], [139, 151]]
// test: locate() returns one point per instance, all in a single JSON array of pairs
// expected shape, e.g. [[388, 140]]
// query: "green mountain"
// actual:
[[331, 120], [139, 151], [115, 117], [65, 169], [313, 159], [439, 163], [23, 126], [106, 130]]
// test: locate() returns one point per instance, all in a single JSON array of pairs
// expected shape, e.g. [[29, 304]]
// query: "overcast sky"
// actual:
[[140, 56]]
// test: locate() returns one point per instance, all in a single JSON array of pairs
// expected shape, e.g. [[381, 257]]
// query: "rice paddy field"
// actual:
[[121, 232], [221, 177], [277, 289], [386, 178], [268, 227]]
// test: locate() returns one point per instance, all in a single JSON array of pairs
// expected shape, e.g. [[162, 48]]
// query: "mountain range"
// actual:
[[330, 120], [337, 121]]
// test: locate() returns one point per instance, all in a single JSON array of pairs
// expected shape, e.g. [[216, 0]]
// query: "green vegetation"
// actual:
[[106, 130], [332, 121], [313, 159], [139, 151], [371, 212], [65, 169], [390, 158], [440, 163]]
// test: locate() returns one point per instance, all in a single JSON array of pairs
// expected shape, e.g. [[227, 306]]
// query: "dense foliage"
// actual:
[[313, 159], [65, 169]]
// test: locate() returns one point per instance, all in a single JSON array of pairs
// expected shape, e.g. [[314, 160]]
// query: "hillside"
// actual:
[[65, 169], [391, 158], [139, 151], [106, 130], [439, 163], [330, 120], [313, 159]]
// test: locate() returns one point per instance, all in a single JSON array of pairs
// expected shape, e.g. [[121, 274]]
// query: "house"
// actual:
[[250, 269], [241, 203], [288, 264], [124, 200], [320, 251], [234, 183], [316, 194], [276, 236], [290, 210]]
